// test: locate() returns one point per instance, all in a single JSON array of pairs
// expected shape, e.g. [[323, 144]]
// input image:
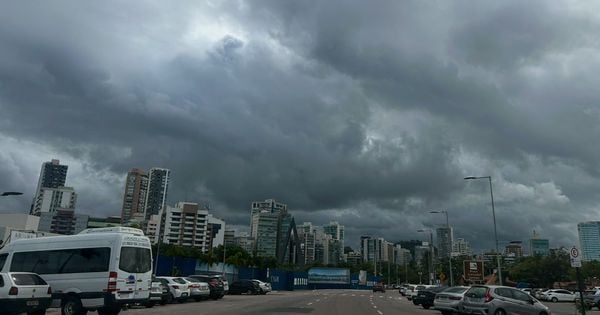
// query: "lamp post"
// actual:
[[489, 178], [11, 193], [449, 245], [431, 254]]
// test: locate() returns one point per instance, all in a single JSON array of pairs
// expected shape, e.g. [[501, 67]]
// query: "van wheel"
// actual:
[[499, 312], [72, 306]]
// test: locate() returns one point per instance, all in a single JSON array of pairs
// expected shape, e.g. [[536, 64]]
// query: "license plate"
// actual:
[[32, 303]]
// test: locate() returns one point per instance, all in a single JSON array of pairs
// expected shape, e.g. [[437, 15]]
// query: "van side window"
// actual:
[[3, 260], [1, 281], [62, 261]]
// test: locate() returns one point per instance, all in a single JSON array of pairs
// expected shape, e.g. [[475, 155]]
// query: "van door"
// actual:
[[135, 273]]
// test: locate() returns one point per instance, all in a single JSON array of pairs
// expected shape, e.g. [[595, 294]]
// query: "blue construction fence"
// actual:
[[281, 280]]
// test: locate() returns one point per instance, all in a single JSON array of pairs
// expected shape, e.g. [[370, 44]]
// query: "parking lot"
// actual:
[[309, 302]]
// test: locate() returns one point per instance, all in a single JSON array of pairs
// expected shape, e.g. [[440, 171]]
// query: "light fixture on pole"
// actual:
[[431, 252], [11, 193], [489, 178], [449, 244]]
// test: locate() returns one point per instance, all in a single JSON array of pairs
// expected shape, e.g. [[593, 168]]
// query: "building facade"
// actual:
[[17, 222], [52, 175], [274, 231], [49, 200], [185, 224], [589, 240], [445, 239], [461, 247], [158, 187], [63, 221], [134, 197]]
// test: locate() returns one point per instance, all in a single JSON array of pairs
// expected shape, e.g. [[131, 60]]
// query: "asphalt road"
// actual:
[[322, 302]]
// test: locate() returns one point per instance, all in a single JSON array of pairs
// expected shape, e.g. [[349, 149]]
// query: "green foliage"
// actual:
[[541, 271]]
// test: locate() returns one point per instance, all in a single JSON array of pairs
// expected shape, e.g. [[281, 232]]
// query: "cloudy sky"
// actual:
[[368, 113]]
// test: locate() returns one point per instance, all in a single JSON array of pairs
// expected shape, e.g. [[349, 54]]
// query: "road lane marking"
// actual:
[[309, 303], [380, 312], [320, 299], [374, 306]]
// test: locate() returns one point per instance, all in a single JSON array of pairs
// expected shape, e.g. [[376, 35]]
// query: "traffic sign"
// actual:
[[575, 257]]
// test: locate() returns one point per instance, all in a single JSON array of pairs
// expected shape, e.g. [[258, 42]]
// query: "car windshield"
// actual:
[[179, 280], [455, 290]]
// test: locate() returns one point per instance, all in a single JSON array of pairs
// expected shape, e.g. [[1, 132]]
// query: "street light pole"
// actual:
[[494, 217], [450, 244]]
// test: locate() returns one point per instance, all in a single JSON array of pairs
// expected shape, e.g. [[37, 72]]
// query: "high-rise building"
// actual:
[[274, 231], [158, 187], [229, 237], [63, 221], [307, 236], [420, 253], [589, 240], [187, 224], [514, 249], [51, 184], [50, 200], [52, 175], [445, 239], [245, 241], [461, 247], [539, 246], [354, 258], [373, 249], [134, 197], [403, 256], [336, 231]]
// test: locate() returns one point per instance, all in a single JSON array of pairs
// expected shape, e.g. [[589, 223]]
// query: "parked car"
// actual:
[[178, 288], [449, 301], [591, 298], [408, 290], [217, 289], [378, 287], [559, 295], [224, 282], [198, 290], [500, 300], [244, 286], [265, 287], [23, 292], [402, 289], [416, 289], [426, 297], [166, 297], [159, 292]]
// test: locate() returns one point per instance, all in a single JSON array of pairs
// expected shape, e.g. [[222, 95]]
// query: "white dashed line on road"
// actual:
[[309, 303], [380, 312]]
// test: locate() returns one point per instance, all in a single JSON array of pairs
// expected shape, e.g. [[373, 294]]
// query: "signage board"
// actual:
[[575, 256], [473, 270]]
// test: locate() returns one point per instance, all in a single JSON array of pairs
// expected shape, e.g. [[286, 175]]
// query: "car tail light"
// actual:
[[176, 287], [457, 298], [49, 290], [488, 296], [112, 282], [13, 291]]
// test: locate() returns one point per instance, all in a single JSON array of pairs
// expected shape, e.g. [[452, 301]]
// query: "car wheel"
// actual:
[[38, 312], [425, 306], [499, 312], [554, 300], [415, 302], [169, 299], [72, 306], [149, 304], [446, 312]]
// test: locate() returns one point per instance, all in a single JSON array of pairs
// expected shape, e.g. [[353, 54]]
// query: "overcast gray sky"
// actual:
[[365, 112]]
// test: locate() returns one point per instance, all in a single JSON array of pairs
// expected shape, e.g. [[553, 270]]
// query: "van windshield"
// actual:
[[135, 259]]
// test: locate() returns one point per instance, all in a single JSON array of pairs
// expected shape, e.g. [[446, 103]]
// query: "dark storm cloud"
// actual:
[[368, 114]]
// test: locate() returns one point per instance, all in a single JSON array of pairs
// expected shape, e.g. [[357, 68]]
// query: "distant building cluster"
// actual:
[[273, 231]]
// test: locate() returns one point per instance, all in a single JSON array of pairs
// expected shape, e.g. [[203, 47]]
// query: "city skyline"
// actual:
[[369, 115]]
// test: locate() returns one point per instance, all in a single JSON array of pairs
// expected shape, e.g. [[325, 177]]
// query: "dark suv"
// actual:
[[217, 291], [244, 286]]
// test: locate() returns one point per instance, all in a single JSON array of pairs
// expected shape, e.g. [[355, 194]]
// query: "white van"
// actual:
[[97, 269]]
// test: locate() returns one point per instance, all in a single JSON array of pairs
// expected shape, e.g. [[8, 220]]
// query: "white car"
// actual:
[[415, 290], [23, 292], [178, 288], [559, 295], [198, 290], [265, 287]]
